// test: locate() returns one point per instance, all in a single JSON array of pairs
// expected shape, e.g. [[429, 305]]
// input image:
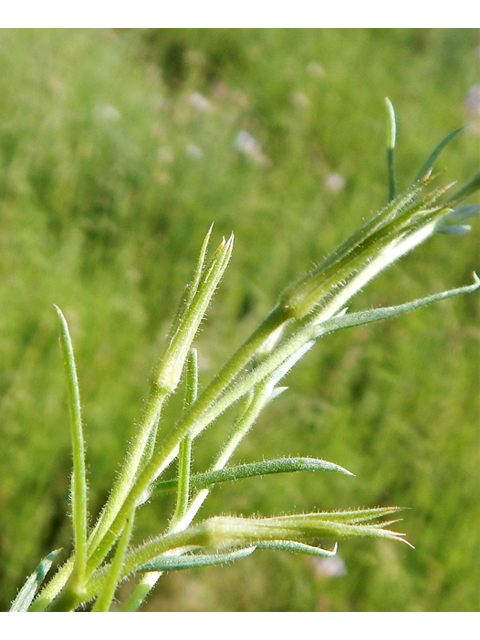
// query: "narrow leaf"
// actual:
[[391, 140], [79, 476], [170, 563], [33, 583], [455, 230], [266, 467], [355, 516], [468, 188], [296, 547], [373, 315], [462, 213], [435, 153]]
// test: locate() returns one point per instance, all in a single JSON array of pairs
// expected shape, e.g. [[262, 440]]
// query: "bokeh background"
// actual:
[[118, 148]]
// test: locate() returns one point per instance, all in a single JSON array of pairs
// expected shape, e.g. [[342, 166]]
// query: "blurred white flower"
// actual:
[[192, 150], [107, 113], [164, 154], [246, 144], [195, 58], [55, 83], [299, 99], [334, 183], [163, 178], [200, 102], [333, 567], [472, 101], [471, 106], [315, 70]]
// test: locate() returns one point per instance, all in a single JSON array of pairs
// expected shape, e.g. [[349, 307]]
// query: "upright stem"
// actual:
[[185, 449], [108, 533], [151, 415]]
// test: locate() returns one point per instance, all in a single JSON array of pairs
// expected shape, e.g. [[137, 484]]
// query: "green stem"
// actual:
[[185, 450], [150, 417], [167, 449], [79, 476], [241, 428], [107, 592], [183, 518], [193, 537]]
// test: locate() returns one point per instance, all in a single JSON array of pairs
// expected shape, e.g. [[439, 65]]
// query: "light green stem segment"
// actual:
[[141, 591], [148, 581], [193, 537], [185, 450], [150, 417], [54, 587], [107, 592], [79, 477], [241, 427]]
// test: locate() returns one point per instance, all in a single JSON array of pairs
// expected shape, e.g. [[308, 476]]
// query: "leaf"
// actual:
[[170, 563], [33, 583], [468, 188], [462, 213], [168, 370], [373, 315], [391, 139], [347, 517], [435, 153], [280, 465], [297, 547], [455, 230], [79, 476]]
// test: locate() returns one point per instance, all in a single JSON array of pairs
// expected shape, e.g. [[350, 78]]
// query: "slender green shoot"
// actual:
[[391, 141], [79, 476], [468, 188], [185, 450], [435, 153], [107, 592]]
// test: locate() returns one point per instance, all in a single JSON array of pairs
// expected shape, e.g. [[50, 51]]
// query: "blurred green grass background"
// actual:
[[117, 151]]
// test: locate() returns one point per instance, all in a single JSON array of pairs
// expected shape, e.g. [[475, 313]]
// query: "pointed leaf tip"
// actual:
[[171, 563], [29, 590]]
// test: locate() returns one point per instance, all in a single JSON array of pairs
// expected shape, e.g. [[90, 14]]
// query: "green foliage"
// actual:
[[112, 168], [33, 583]]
